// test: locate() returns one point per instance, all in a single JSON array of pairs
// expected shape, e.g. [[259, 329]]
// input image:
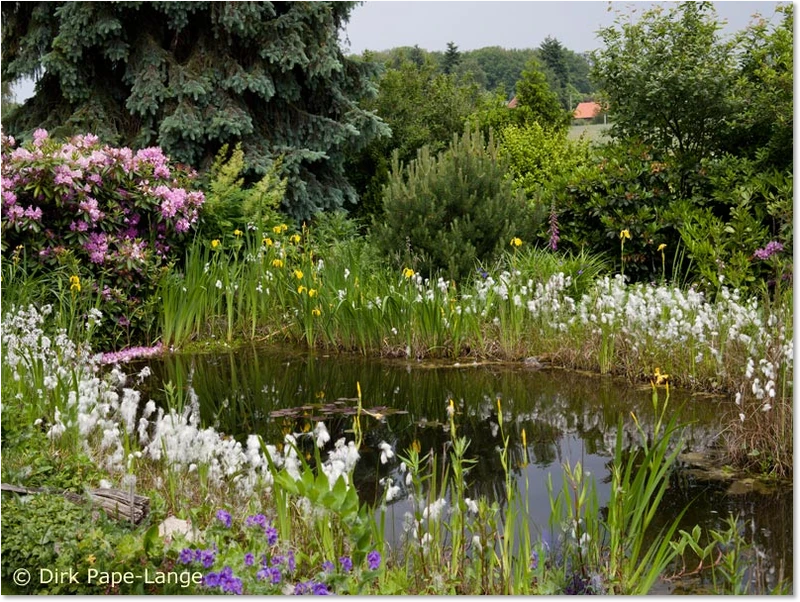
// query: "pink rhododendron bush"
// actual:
[[106, 220]]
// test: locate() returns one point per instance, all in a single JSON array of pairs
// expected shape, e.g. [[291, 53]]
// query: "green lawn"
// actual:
[[595, 132]]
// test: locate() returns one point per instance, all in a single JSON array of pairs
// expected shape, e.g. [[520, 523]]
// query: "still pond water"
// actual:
[[567, 417]]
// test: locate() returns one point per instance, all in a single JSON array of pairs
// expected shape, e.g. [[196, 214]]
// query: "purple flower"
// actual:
[[207, 558], [224, 517], [319, 589], [534, 560], [302, 589], [256, 520], [328, 566], [186, 556], [272, 574], [772, 247], [272, 535], [374, 560], [249, 559], [290, 563], [347, 564], [211, 580]]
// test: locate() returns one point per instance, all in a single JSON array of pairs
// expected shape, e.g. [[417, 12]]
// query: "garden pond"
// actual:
[[567, 417]]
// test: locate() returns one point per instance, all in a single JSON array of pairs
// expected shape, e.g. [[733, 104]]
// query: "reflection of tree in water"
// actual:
[[240, 393]]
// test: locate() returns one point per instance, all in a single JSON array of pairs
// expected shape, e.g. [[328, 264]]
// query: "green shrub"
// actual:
[[450, 211], [623, 188], [738, 231], [231, 206], [537, 155]]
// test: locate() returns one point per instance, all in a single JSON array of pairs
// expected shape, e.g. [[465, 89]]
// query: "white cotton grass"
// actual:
[[108, 421]]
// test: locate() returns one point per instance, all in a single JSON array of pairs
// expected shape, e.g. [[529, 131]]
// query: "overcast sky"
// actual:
[[384, 24]]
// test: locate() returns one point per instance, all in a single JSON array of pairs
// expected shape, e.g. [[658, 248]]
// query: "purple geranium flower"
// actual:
[[207, 557], [224, 517], [256, 520], [374, 560], [272, 535], [211, 580], [328, 567], [249, 559], [347, 564], [186, 556]]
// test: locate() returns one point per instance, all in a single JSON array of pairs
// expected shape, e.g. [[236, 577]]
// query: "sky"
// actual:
[[384, 24]]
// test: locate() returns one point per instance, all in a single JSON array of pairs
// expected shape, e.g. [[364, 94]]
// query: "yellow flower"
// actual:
[[215, 243], [301, 289], [267, 242], [298, 274], [237, 232], [295, 238], [415, 446], [316, 312], [625, 234], [516, 242], [662, 246], [312, 292], [661, 378], [277, 263], [408, 272], [91, 558], [75, 283], [280, 228]]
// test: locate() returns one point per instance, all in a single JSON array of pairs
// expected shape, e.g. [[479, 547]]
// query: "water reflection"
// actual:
[[567, 417]]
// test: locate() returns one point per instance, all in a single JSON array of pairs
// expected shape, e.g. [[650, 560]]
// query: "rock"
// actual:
[[533, 363], [172, 526]]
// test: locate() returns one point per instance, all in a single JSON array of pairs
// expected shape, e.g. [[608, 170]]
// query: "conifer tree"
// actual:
[[450, 59], [192, 76]]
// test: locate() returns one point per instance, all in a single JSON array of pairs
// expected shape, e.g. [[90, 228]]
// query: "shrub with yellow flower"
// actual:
[[280, 228], [277, 263], [75, 284]]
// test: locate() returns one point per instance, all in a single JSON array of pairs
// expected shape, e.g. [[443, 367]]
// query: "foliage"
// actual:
[[623, 187], [421, 107], [49, 533], [231, 206], [106, 216], [536, 101], [450, 59], [539, 156], [190, 78], [448, 212], [667, 79], [748, 209], [761, 121]]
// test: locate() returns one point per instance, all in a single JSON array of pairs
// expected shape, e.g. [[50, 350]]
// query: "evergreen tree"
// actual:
[[451, 58], [536, 101], [193, 76], [554, 59]]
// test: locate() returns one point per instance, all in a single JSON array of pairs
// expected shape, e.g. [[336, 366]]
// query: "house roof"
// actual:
[[512, 104], [586, 110]]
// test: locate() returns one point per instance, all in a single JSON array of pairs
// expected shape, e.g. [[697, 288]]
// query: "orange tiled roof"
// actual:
[[586, 110], [512, 104]]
